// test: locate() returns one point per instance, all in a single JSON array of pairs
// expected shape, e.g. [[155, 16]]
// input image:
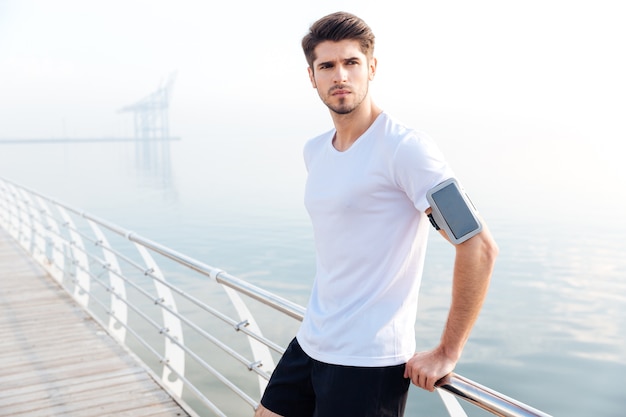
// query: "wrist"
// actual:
[[450, 352]]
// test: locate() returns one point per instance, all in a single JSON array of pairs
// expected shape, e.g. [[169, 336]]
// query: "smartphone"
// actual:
[[453, 211]]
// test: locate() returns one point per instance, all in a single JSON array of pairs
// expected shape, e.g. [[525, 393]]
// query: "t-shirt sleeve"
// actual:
[[419, 165]]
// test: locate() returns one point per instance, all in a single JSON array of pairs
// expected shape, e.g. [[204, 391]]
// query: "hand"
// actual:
[[426, 368]]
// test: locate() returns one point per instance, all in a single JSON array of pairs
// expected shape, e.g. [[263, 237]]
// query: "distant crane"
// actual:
[[151, 112]]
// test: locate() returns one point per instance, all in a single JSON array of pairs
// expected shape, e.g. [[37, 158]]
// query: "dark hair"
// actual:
[[337, 27]]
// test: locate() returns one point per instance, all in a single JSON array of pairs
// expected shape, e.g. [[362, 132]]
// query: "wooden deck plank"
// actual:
[[84, 389], [29, 389], [56, 360]]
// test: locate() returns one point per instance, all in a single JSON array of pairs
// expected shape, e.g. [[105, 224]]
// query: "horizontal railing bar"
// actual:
[[486, 398], [283, 305]]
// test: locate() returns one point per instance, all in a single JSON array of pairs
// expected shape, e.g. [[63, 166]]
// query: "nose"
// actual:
[[341, 74]]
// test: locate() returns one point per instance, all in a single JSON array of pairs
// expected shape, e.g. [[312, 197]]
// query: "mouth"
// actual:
[[339, 91]]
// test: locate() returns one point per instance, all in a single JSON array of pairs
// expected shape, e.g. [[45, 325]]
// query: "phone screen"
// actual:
[[455, 211]]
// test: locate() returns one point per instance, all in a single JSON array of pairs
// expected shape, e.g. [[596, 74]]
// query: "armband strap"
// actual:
[[433, 222]]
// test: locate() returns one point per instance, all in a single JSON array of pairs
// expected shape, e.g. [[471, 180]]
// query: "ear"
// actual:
[[373, 62], [312, 77]]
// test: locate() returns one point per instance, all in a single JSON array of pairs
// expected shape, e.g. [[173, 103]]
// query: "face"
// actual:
[[341, 74]]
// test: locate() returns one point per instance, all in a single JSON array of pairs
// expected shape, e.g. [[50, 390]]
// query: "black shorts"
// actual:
[[301, 386]]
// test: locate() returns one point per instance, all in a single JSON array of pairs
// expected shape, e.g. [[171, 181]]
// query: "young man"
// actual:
[[354, 353]]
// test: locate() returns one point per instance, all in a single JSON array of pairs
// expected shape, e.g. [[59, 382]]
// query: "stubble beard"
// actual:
[[344, 107]]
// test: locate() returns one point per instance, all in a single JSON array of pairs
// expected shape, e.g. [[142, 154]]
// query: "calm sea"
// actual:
[[553, 330]]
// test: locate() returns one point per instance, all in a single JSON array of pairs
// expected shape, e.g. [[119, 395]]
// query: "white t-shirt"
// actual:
[[367, 209]]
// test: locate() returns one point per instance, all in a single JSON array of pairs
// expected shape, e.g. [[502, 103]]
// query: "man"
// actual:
[[354, 353]]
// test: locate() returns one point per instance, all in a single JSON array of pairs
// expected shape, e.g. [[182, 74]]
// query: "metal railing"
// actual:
[[112, 273]]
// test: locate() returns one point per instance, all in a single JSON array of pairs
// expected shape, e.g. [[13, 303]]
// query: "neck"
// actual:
[[351, 126]]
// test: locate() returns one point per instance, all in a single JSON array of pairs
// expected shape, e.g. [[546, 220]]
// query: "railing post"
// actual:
[[79, 258], [20, 219], [174, 355], [56, 261], [260, 352], [37, 241], [118, 315], [12, 211]]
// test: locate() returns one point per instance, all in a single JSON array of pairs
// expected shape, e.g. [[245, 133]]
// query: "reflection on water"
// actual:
[[154, 165], [93, 173], [552, 331]]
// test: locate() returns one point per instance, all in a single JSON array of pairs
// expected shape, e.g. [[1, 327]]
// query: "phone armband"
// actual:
[[453, 211]]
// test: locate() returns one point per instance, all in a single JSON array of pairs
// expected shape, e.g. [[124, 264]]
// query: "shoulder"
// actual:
[[320, 140], [404, 139], [416, 161], [316, 145]]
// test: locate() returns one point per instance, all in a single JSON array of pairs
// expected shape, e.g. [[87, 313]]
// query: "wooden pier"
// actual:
[[56, 361]]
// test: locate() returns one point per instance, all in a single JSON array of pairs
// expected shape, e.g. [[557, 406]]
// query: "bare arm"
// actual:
[[473, 266]]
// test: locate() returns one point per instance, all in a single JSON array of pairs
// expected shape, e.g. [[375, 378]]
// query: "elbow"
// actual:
[[482, 248], [489, 249]]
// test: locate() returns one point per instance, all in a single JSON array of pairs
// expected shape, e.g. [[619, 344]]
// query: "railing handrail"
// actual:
[[464, 388], [270, 299], [486, 398]]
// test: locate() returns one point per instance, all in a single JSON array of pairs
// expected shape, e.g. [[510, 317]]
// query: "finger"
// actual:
[[421, 381], [429, 385]]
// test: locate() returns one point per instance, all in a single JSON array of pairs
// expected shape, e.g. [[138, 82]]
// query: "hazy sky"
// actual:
[[536, 87]]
